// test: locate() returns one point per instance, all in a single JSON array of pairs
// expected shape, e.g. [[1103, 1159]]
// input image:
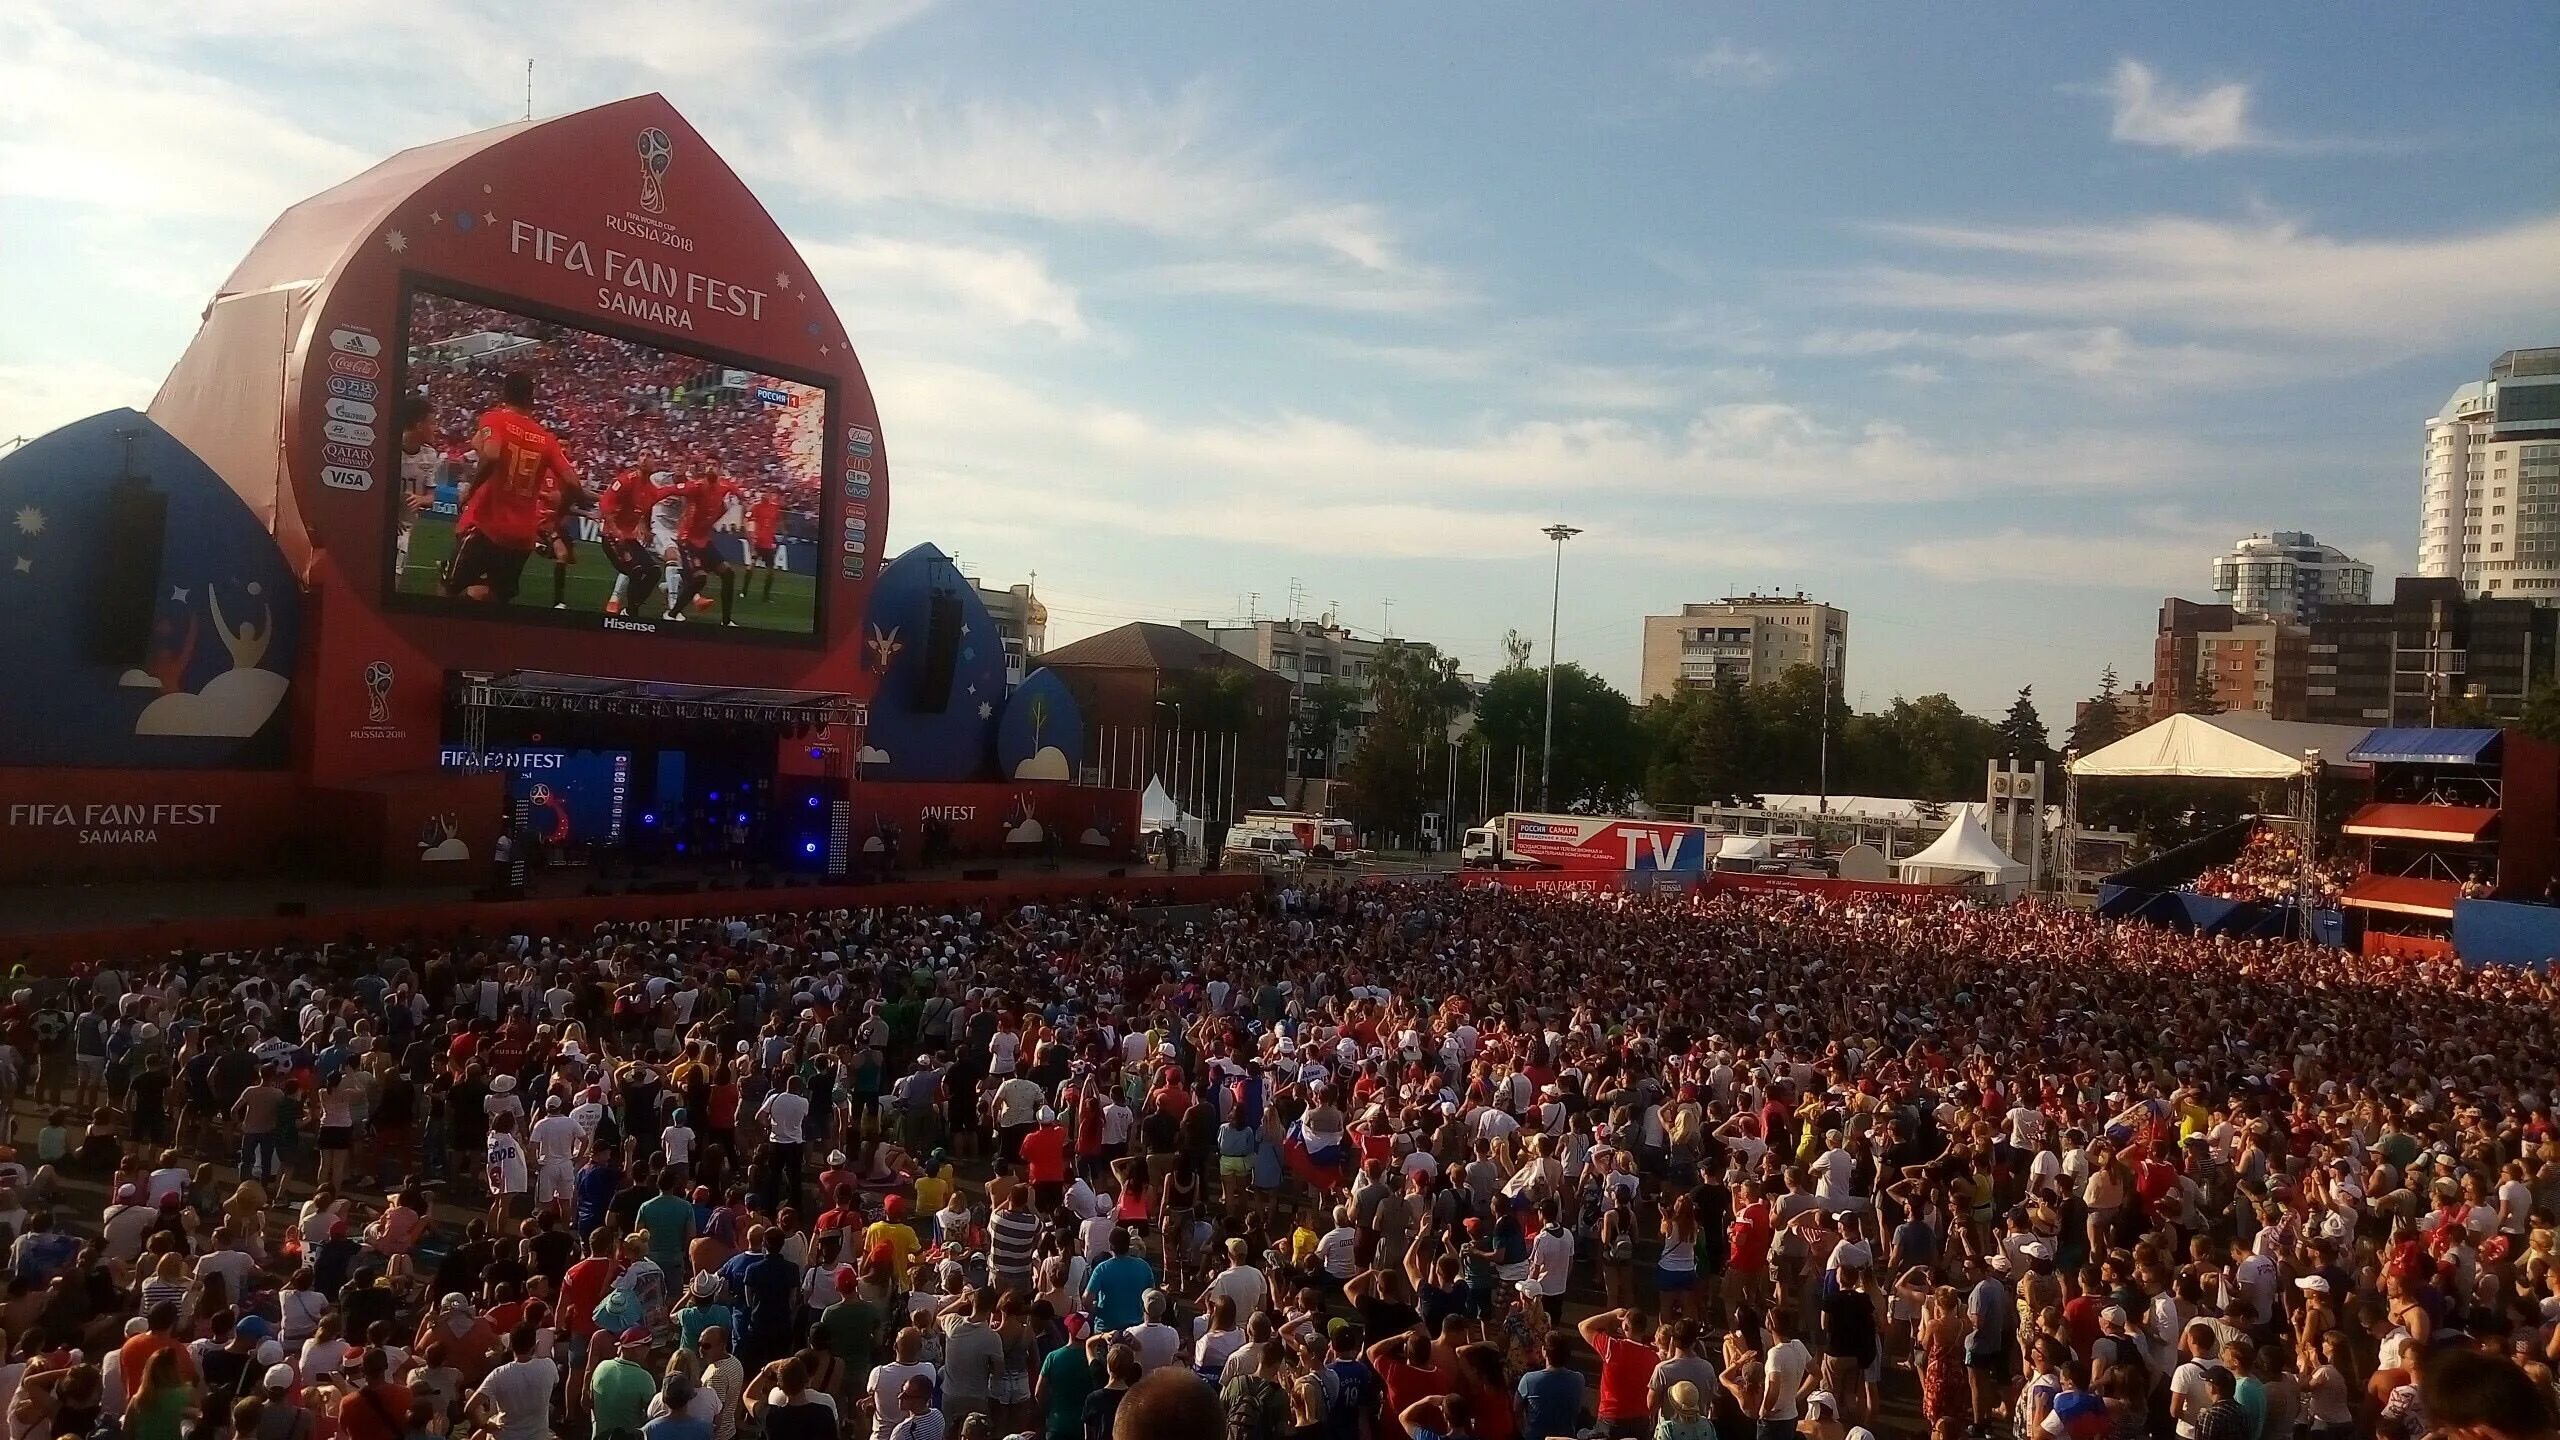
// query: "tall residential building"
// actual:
[[2406, 661], [1307, 653], [2211, 657], [2288, 576], [2489, 512], [1752, 638], [1021, 621]]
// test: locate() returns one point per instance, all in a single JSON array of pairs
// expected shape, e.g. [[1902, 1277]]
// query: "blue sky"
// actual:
[[1992, 325]]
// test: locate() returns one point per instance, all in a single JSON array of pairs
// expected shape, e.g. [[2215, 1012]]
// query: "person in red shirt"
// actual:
[[706, 494], [1044, 1161], [379, 1411], [582, 1288], [1626, 1370], [503, 517], [764, 538], [1405, 1371], [622, 513], [558, 535]]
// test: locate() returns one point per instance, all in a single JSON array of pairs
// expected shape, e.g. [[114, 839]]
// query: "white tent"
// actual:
[[1157, 811], [2241, 745], [1964, 851], [1746, 847]]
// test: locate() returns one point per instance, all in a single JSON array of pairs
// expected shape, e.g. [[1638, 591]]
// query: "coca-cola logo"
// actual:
[[357, 365]]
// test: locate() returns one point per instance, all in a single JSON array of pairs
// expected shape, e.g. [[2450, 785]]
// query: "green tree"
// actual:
[[2022, 732], [2104, 722], [1702, 743], [1599, 752], [1399, 769], [1788, 730], [1325, 710], [2541, 718]]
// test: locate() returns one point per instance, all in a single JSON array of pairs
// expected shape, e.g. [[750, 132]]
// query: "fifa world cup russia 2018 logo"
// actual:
[[377, 691], [657, 152]]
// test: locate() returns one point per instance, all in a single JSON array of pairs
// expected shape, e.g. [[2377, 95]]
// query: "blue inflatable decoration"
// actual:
[[915, 734], [82, 512], [1042, 734]]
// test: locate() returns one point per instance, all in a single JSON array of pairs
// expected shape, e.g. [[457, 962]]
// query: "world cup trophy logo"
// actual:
[[657, 152], [377, 689]]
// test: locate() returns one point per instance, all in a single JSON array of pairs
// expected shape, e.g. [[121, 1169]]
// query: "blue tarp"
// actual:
[[2425, 747], [2499, 932], [2212, 915]]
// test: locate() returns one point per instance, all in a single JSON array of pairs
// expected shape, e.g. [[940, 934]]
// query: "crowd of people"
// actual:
[[1351, 1162], [613, 403], [2269, 870]]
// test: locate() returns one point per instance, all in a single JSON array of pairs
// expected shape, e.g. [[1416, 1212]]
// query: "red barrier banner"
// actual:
[[122, 824], [998, 819]]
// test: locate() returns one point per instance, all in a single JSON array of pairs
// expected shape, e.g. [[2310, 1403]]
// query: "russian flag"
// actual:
[[1324, 1169]]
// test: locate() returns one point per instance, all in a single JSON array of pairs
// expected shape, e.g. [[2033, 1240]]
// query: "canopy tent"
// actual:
[[2428, 747], [1746, 847], [1157, 812], [2242, 745], [1963, 851]]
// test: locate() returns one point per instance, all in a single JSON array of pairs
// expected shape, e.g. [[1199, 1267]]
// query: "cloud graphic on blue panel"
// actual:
[[82, 512], [921, 730], [1042, 734]]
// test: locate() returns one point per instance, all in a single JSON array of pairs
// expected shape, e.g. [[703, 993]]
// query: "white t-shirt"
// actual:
[[521, 1389], [1158, 1344], [886, 1381], [1243, 1284], [506, 1164], [1781, 1374], [786, 1113], [677, 1141], [1551, 1260], [555, 1138]]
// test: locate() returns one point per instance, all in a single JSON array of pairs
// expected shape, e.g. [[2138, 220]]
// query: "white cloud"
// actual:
[[1175, 168], [1728, 63], [869, 276], [2152, 111], [1912, 372], [2159, 564], [2378, 297], [96, 125], [2103, 355], [35, 398], [1316, 284]]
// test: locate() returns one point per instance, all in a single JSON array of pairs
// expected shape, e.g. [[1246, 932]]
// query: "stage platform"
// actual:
[[63, 928]]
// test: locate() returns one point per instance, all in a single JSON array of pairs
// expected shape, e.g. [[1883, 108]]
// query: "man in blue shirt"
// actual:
[[598, 1182], [1551, 1398], [1118, 1286], [770, 1290]]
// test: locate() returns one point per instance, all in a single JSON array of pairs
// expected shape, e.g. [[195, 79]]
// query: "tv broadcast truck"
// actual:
[[1587, 842], [1323, 840]]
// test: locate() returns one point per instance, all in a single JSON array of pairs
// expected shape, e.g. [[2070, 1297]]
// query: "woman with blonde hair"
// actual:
[[1684, 1414]]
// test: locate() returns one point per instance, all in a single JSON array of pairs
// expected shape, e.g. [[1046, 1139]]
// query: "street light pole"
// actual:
[[1555, 606]]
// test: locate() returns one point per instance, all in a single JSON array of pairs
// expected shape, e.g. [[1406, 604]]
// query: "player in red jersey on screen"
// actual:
[[561, 500], [764, 534], [707, 494], [622, 513], [502, 518]]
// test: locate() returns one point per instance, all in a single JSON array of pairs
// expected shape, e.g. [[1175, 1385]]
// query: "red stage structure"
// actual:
[[375, 619]]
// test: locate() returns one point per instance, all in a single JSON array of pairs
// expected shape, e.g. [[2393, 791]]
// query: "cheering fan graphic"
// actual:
[[657, 152]]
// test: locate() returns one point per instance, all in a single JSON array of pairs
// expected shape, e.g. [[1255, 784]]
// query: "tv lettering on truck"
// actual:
[[123, 824]]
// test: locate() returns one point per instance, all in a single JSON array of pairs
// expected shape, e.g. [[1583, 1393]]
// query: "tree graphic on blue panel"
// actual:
[[910, 739], [1042, 734]]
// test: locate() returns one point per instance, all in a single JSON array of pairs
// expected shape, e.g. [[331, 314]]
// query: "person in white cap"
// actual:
[[556, 1141], [1823, 1419]]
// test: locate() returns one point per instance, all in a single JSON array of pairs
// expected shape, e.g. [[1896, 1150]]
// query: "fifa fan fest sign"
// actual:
[[561, 397]]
